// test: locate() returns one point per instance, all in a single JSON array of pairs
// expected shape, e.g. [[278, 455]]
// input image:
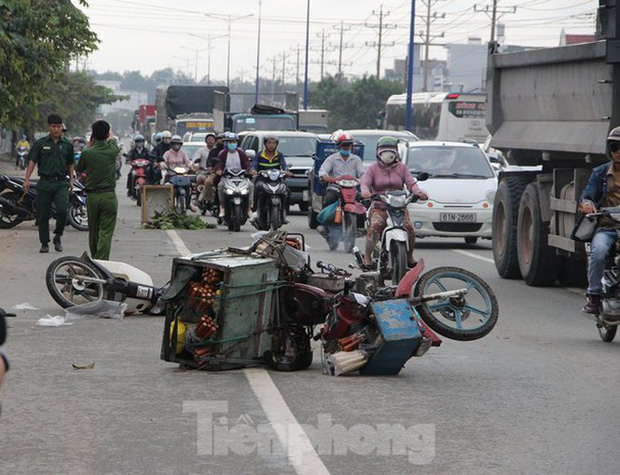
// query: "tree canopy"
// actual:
[[38, 38], [353, 104]]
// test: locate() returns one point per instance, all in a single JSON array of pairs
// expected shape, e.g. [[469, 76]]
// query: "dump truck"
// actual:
[[549, 112], [191, 107]]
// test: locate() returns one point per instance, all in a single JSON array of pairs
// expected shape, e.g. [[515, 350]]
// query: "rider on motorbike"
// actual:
[[139, 150], [204, 167], [176, 157], [157, 155], [22, 143], [603, 190], [388, 173], [234, 159], [268, 159], [336, 165]]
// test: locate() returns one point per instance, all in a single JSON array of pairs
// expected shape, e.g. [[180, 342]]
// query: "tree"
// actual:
[[38, 38], [76, 97], [353, 105]]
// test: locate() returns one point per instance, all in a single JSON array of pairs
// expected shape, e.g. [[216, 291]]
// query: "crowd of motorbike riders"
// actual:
[[221, 155]]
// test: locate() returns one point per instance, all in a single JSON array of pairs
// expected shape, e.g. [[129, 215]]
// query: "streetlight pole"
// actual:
[[208, 38], [307, 54], [408, 121], [258, 55]]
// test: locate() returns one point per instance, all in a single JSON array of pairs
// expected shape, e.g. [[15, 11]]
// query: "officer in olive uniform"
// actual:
[[98, 160], [53, 156]]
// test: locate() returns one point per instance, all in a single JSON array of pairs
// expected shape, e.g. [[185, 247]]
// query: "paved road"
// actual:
[[538, 395]]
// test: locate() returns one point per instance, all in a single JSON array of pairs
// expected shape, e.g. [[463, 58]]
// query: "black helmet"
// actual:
[[613, 138]]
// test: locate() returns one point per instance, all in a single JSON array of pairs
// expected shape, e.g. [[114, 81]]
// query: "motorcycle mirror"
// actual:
[[420, 176], [250, 153]]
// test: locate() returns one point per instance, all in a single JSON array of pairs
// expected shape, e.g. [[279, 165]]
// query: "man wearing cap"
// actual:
[[53, 156], [99, 163]]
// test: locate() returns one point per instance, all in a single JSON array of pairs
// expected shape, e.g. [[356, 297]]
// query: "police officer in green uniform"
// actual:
[[98, 160], [53, 156]]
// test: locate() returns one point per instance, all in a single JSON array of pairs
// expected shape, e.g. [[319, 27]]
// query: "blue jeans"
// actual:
[[603, 240]]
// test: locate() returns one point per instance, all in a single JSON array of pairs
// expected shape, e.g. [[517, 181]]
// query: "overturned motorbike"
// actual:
[[17, 206], [260, 305], [80, 280]]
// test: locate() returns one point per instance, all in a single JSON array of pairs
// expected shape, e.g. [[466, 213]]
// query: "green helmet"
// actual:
[[387, 150]]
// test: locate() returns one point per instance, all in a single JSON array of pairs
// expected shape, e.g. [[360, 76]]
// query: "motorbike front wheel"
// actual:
[[465, 318], [275, 220], [7, 219], [78, 217], [180, 202], [607, 332], [350, 232], [236, 219], [398, 258], [72, 281]]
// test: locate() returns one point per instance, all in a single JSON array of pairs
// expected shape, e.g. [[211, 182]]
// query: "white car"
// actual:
[[461, 188]]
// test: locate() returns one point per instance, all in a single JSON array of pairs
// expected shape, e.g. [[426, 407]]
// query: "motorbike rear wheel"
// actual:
[[65, 282], [78, 217], [8, 220], [398, 257], [607, 332], [350, 232], [460, 318]]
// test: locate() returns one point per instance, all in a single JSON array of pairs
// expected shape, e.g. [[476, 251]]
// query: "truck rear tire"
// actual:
[[505, 213], [538, 261]]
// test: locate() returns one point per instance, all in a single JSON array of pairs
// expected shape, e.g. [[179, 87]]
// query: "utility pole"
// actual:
[[297, 75], [322, 35], [427, 37], [342, 45], [495, 13], [273, 79], [283, 70], [379, 44]]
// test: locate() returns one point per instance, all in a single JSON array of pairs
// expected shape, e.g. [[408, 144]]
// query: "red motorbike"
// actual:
[[138, 178], [344, 227]]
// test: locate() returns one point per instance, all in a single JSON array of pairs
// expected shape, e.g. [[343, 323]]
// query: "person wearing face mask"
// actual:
[[157, 157], [338, 164], [387, 174], [138, 151], [234, 159], [175, 157]]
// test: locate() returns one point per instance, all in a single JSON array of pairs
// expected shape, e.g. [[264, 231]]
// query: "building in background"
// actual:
[[467, 66], [131, 103]]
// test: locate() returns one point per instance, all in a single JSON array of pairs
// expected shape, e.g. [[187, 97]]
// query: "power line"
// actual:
[[379, 44]]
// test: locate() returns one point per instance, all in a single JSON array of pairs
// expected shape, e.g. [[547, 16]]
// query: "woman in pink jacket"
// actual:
[[387, 174]]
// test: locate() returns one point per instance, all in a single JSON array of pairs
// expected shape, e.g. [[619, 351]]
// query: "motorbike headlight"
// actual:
[[229, 191], [491, 196], [245, 191]]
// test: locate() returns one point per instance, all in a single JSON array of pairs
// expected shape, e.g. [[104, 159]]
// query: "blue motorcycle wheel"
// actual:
[[465, 318]]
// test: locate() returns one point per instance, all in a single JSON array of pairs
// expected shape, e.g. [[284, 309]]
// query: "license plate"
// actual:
[[457, 217], [306, 195]]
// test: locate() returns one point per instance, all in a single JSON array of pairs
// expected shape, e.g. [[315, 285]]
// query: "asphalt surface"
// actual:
[[540, 394]]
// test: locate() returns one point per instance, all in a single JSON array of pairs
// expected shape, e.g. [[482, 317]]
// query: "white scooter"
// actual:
[[80, 280]]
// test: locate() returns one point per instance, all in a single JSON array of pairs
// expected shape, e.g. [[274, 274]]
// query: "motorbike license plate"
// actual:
[[306, 195], [457, 217]]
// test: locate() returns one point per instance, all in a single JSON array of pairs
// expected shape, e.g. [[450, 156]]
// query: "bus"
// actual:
[[440, 115], [193, 123]]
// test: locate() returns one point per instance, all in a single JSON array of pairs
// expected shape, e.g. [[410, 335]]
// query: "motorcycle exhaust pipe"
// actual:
[[14, 209]]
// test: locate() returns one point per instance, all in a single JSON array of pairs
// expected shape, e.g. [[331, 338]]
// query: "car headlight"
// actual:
[[491, 196]]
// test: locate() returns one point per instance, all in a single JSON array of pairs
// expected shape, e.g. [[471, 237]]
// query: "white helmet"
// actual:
[[176, 139], [166, 134]]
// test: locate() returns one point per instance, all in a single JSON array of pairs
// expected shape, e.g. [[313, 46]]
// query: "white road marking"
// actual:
[[178, 242], [473, 256], [298, 447]]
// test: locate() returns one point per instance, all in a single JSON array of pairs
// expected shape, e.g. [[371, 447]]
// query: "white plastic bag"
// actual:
[[101, 308], [24, 306], [49, 321]]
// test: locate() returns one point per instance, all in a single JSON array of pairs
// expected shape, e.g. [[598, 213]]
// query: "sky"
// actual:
[[147, 35]]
